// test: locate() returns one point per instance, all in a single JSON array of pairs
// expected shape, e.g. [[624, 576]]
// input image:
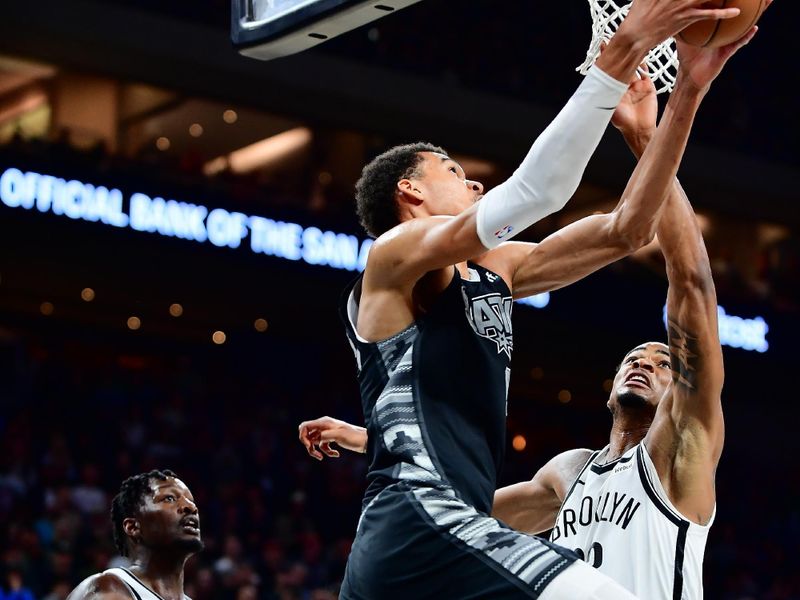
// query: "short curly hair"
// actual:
[[129, 499], [375, 190]]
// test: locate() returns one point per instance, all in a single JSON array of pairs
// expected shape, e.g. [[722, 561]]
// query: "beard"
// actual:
[[191, 545], [631, 400]]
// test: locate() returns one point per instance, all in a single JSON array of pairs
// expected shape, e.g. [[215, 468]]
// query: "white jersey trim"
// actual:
[[653, 482], [577, 480], [137, 588]]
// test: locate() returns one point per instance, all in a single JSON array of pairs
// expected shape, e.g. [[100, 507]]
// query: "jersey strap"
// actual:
[[578, 480], [138, 589]]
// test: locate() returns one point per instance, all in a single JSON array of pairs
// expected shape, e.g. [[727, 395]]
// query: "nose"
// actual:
[[475, 186], [189, 507], [643, 363]]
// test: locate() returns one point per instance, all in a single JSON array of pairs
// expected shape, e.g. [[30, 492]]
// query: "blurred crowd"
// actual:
[[81, 412], [77, 421]]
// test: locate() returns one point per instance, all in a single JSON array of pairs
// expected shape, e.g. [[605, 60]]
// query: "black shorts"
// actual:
[[415, 543]]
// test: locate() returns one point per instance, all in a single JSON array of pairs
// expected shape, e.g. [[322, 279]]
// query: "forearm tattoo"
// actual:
[[683, 356]]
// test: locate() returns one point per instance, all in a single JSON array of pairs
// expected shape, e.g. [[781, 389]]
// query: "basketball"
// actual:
[[712, 33]]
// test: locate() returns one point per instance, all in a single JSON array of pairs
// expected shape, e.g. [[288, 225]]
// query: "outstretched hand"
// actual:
[[637, 112], [653, 21], [317, 436], [700, 66]]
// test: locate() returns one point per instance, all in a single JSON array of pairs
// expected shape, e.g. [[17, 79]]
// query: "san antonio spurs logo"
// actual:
[[490, 317]]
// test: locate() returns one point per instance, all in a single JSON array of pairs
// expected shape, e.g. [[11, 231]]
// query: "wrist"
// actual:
[[638, 139], [622, 56], [363, 432], [686, 90]]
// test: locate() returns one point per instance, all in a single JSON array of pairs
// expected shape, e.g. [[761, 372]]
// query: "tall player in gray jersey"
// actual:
[[653, 486], [156, 525], [430, 326]]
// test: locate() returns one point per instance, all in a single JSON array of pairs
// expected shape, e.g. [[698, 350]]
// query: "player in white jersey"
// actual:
[[639, 510], [157, 526]]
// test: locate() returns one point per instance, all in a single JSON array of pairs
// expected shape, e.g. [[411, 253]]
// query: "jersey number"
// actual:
[[595, 553]]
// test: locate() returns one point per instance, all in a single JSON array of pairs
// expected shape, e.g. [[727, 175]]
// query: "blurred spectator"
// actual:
[[16, 590], [88, 496]]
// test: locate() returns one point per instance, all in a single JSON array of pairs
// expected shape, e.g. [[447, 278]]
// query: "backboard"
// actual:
[[267, 29]]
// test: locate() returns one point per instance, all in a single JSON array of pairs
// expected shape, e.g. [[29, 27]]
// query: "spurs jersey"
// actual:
[[138, 590], [617, 517], [434, 402]]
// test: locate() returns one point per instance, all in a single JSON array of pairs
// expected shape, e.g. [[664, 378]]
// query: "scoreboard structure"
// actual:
[[268, 29]]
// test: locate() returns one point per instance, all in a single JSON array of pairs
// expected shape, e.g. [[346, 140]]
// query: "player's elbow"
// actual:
[[631, 235], [694, 278]]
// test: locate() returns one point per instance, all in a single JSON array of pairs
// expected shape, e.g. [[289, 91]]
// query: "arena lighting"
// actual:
[[262, 154], [192, 222], [24, 103], [537, 301], [736, 332]]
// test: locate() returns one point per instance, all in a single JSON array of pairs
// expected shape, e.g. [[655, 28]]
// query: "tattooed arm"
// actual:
[[686, 437]]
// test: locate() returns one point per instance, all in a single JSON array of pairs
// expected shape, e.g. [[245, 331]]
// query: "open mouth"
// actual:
[[191, 524], [637, 379]]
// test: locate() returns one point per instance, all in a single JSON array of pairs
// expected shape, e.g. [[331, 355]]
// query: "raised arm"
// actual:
[[686, 437], [591, 243], [552, 170], [687, 434]]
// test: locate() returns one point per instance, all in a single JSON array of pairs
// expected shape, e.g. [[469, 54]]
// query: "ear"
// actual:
[[409, 192], [131, 528]]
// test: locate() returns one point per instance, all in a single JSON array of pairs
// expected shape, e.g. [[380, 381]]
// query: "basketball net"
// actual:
[[661, 61]]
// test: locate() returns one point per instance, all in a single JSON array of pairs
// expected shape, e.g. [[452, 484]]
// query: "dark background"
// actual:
[[86, 402]]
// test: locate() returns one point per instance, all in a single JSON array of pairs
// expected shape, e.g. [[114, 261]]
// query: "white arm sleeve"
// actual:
[[554, 166]]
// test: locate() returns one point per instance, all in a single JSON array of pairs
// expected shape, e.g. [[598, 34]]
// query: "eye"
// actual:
[[665, 364], [454, 170], [169, 498], [630, 359]]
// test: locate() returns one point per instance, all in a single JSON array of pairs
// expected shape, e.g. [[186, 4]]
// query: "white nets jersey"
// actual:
[[617, 518], [138, 590]]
